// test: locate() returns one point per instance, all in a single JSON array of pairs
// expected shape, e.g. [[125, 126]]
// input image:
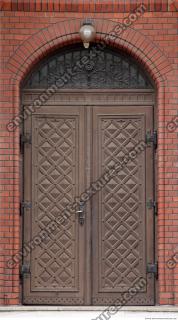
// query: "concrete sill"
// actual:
[[165, 308]]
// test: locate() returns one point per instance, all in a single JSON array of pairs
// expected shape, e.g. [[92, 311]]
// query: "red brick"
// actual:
[[153, 44]]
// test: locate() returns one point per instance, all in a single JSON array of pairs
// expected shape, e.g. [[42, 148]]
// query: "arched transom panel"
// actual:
[[96, 67]]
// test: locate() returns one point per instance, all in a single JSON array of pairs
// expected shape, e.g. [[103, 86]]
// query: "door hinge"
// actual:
[[25, 205], [152, 268], [151, 138], [25, 269], [25, 139], [152, 205]]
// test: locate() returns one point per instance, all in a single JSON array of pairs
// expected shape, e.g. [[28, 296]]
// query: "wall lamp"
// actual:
[[87, 33]]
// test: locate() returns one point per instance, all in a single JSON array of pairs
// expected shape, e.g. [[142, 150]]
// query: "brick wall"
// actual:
[[31, 29], [86, 6]]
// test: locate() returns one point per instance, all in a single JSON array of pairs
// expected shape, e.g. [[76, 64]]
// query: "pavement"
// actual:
[[88, 313]]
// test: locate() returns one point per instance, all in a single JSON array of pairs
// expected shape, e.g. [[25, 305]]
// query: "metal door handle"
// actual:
[[80, 212]]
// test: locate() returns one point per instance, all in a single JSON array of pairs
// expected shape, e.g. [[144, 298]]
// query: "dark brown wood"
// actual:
[[54, 176], [97, 128], [122, 227]]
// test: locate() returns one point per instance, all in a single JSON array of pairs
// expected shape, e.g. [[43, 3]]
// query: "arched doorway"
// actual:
[[88, 199]]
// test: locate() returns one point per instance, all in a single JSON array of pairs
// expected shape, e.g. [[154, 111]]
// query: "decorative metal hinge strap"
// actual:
[[152, 268], [152, 205], [25, 268], [151, 138], [25, 205], [25, 139]]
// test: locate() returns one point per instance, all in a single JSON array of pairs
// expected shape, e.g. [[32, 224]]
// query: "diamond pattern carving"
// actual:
[[56, 261], [60, 266], [121, 241]]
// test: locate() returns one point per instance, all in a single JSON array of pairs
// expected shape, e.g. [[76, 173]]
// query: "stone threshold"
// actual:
[[165, 308]]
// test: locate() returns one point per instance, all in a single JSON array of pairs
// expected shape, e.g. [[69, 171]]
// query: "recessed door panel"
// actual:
[[120, 227], [100, 258], [55, 162]]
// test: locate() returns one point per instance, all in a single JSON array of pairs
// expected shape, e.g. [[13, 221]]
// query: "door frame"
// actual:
[[112, 97]]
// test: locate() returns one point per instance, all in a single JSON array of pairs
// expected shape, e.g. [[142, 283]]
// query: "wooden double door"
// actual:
[[99, 253]]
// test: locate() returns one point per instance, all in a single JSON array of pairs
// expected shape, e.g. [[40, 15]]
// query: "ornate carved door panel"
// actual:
[[71, 147], [88, 109], [122, 227], [54, 176]]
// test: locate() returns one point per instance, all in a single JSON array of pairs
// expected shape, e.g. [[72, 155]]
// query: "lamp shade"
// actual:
[[87, 33]]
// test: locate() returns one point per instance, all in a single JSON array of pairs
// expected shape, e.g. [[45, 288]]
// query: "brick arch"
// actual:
[[37, 46], [63, 33]]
